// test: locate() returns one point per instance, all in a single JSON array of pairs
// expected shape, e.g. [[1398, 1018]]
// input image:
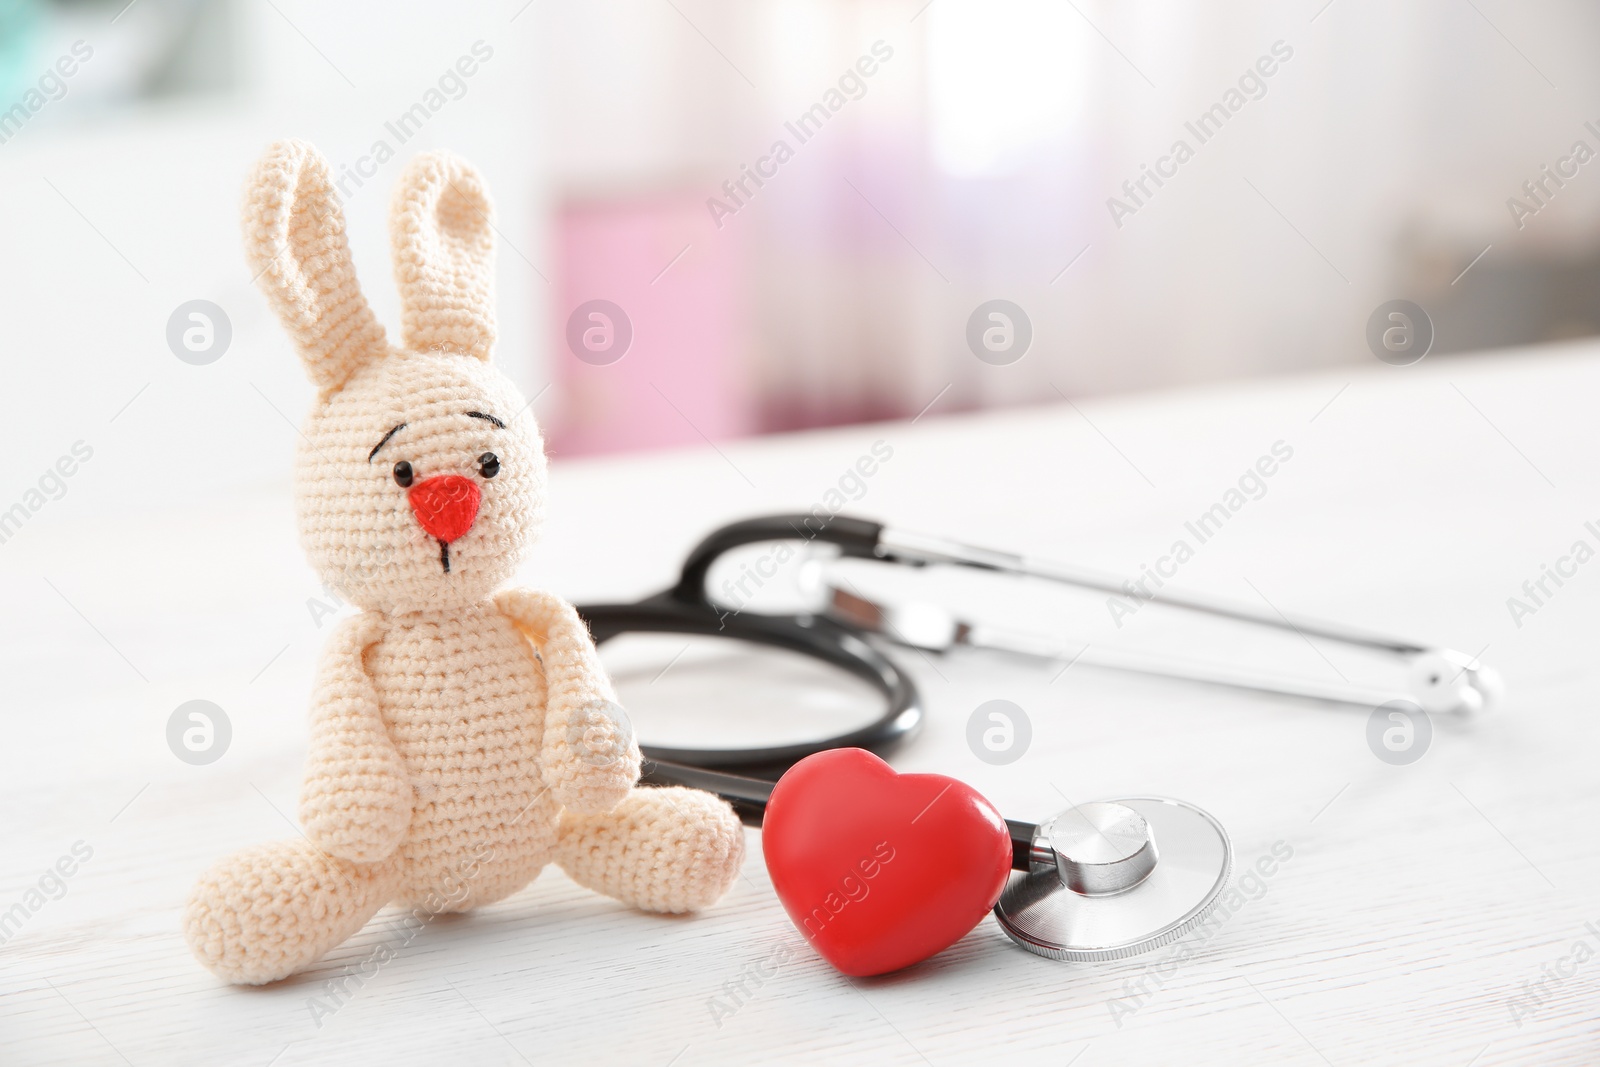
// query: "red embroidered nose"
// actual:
[[445, 505]]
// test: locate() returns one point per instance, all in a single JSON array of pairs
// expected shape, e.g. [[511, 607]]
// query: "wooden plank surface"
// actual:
[[1414, 923]]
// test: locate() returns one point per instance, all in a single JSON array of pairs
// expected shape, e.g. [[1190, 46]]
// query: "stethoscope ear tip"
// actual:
[[1447, 682], [1492, 686]]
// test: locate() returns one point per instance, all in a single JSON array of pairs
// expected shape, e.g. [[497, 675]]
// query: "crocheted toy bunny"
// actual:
[[461, 738]]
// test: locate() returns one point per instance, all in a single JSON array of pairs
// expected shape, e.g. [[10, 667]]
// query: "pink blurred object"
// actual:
[[675, 278]]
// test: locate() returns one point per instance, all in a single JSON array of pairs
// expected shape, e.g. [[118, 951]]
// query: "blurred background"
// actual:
[[793, 208]]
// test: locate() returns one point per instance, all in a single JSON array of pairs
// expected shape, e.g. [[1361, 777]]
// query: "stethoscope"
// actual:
[[1103, 880]]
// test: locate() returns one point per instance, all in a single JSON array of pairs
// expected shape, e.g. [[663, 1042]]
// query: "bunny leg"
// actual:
[[269, 911], [668, 850]]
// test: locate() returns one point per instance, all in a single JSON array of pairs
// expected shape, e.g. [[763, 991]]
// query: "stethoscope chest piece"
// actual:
[[1115, 878]]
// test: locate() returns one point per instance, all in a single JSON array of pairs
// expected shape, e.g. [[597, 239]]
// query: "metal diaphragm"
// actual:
[[1193, 859]]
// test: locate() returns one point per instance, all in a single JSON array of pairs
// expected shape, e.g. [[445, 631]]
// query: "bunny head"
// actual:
[[420, 476]]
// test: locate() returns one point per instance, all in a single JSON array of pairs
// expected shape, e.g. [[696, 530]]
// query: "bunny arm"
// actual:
[[590, 758], [356, 800]]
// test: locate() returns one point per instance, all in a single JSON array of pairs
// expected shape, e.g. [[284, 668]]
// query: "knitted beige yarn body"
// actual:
[[461, 738]]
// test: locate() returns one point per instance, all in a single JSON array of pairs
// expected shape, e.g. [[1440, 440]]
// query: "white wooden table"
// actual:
[[1419, 900]]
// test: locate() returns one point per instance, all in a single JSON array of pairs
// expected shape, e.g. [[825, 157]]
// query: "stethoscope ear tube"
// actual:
[[748, 796], [854, 537], [819, 637]]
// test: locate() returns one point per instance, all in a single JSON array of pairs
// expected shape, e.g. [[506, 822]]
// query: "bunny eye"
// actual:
[[402, 474], [489, 464]]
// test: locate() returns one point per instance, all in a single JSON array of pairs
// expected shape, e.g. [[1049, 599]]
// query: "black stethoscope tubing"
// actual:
[[745, 776]]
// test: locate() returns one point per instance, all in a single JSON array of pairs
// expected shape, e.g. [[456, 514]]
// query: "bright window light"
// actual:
[[1005, 77]]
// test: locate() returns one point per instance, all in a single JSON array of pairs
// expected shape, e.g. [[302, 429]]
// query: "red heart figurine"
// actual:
[[878, 869]]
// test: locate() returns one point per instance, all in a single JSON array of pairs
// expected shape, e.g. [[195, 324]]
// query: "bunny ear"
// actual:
[[442, 234], [295, 242]]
